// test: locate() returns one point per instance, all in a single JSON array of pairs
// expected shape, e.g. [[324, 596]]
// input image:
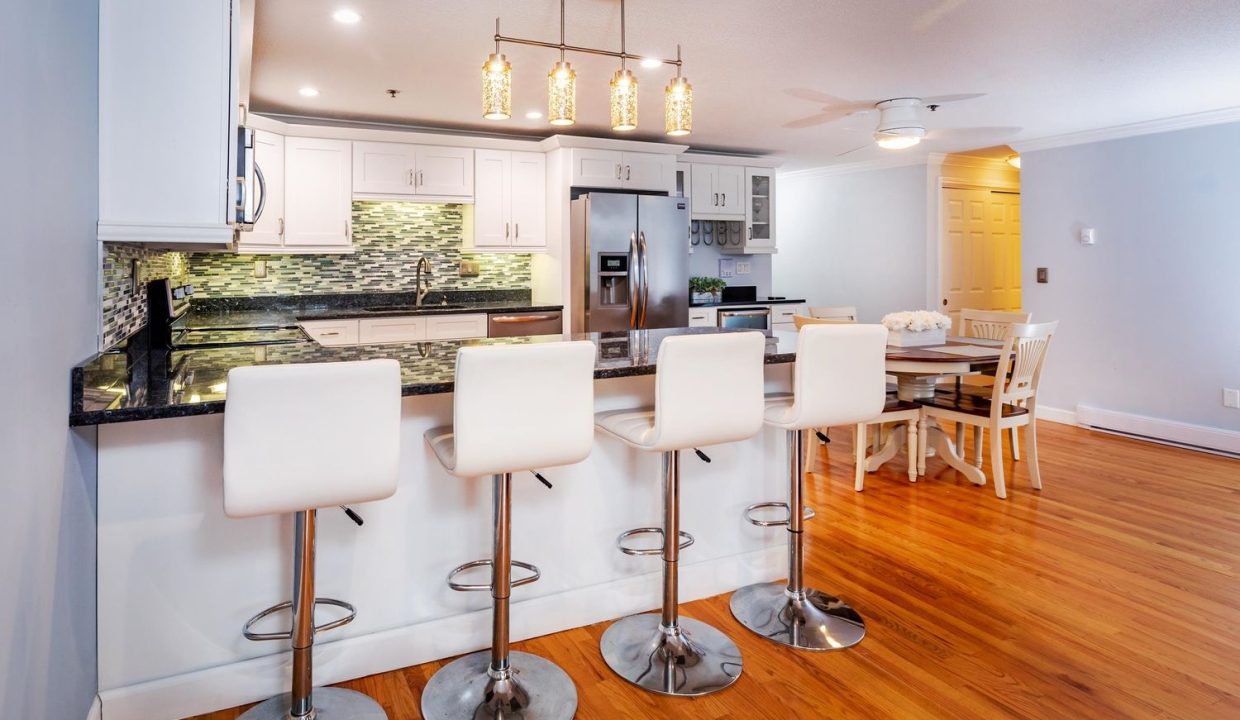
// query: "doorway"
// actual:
[[980, 266]]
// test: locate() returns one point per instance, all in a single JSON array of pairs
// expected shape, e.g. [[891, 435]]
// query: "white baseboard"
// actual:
[[96, 710], [1197, 437], [243, 682], [1057, 415]]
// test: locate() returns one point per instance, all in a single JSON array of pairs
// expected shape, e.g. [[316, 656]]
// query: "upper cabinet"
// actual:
[[268, 229], [718, 192], [317, 194], [625, 170], [510, 201], [397, 170], [168, 104], [759, 213]]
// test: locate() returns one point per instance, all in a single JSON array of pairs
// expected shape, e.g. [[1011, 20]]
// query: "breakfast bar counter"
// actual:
[[178, 579]]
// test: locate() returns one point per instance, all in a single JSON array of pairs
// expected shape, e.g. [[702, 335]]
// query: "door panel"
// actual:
[[529, 199], [491, 198], [702, 181], [269, 157], [661, 222], [444, 171], [383, 168], [980, 267], [318, 192], [611, 219]]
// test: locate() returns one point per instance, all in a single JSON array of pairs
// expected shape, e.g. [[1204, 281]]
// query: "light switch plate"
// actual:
[[1043, 275], [1231, 397], [1087, 236], [470, 268], [727, 267], [742, 267]]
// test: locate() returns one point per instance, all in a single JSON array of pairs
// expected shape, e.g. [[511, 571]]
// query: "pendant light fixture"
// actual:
[[678, 104], [623, 89], [496, 84], [562, 86]]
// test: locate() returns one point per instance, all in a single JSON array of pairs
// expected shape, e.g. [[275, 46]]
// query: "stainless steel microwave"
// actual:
[[251, 187]]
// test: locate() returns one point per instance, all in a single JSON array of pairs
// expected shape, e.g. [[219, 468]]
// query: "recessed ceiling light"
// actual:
[[533, 115], [346, 16], [651, 63], [308, 92]]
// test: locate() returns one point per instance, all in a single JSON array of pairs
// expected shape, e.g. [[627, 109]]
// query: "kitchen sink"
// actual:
[[410, 308]]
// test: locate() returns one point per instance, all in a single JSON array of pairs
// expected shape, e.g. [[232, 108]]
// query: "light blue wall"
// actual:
[[48, 309], [853, 239], [1150, 315], [705, 261]]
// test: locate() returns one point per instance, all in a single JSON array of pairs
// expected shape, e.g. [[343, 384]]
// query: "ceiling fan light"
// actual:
[[678, 107], [899, 138], [496, 88], [623, 101], [562, 94]]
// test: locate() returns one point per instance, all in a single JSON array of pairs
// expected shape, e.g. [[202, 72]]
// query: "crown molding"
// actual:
[[1148, 127], [863, 166]]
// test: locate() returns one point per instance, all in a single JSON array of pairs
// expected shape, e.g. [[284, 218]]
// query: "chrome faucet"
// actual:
[[422, 293]]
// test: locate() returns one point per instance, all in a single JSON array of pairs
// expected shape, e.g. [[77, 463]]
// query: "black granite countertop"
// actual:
[[749, 303], [130, 383]]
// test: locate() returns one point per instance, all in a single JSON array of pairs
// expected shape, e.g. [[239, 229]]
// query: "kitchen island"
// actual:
[[177, 578]]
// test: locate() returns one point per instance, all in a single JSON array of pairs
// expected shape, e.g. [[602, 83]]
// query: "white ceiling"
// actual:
[[1049, 67]]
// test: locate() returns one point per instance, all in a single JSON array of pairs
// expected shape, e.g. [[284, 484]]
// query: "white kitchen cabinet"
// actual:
[[510, 200], [783, 317], [718, 191], [318, 194], [703, 317], [268, 230], [331, 333], [626, 170], [383, 169], [759, 195], [456, 327], [168, 109], [390, 329]]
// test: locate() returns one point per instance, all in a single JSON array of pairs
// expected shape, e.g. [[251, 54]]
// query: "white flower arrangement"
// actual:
[[916, 321]]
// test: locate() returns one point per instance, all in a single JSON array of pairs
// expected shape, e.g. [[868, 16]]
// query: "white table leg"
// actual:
[[895, 439], [942, 442]]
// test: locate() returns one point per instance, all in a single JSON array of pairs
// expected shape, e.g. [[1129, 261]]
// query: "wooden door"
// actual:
[[318, 193], [447, 171], [528, 199], [980, 267]]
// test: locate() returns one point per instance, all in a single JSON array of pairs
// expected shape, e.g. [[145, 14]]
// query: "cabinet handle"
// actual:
[[725, 200], [517, 226], [281, 227], [328, 334], [749, 233], [628, 172], [617, 171], [348, 231], [716, 199], [411, 176], [506, 231], [508, 319], [420, 180]]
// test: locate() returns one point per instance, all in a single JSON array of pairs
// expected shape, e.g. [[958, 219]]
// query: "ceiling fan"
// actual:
[[900, 120]]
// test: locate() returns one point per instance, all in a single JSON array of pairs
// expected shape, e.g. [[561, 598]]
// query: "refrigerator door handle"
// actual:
[[633, 280], [641, 246]]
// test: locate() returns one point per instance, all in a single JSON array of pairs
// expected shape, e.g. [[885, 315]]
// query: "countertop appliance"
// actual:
[[753, 318], [630, 262], [517, 324]]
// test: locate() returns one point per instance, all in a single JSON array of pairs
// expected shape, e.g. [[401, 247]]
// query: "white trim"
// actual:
[[1172, 431], [1148, 127], [1057, 415], [329, 129], [885, 163], [558, 142], [720, 159], [429, 199], [934, 231], [237, 683], [96, 710], [166, 233]]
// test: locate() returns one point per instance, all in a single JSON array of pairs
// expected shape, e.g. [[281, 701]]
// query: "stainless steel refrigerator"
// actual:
[[630, 262]]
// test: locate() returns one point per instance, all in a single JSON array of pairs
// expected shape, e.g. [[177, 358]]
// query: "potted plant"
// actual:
[[706, 289], [916, 328]]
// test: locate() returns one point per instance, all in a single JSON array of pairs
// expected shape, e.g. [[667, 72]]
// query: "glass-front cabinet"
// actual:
[[759, 201]]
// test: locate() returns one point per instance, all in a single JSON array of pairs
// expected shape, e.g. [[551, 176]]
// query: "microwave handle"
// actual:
[[262, 192]]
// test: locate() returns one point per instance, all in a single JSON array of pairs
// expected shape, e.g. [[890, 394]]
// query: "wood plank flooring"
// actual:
[[1113, 593]]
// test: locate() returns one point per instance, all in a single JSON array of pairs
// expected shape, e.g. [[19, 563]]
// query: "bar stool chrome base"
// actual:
[[817, 621], [532, 689], [330, 703], [690, 659]]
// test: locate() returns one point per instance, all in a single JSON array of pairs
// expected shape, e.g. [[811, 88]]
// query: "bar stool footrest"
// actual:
[[288, 605], [809, 514], [685, 541], [474, 587]]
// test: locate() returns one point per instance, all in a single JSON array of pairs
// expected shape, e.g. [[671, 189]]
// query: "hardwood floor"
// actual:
[[1113, 593]]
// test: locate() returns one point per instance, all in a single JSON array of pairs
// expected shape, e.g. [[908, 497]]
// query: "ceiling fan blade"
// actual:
[[815, 96], [850, 152], [932, 16], [817, 119], [940, 99]]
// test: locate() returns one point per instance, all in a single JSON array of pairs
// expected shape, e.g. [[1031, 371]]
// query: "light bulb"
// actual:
[[895, 142]]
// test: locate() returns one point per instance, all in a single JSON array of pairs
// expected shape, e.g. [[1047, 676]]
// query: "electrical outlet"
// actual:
[[1231, 397], [742, 267], [470, 268], [260, 268]]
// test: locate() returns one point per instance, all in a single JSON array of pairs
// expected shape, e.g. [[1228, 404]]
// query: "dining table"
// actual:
[[918, 372]]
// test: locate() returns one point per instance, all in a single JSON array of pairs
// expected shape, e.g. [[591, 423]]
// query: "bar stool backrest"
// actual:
[[708, 389], [306, 436], [839, 378], [523, 407]]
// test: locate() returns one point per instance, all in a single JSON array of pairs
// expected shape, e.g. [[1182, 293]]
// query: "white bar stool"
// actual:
[[838, 380], [719, 378], [517, 407], [297, 438]]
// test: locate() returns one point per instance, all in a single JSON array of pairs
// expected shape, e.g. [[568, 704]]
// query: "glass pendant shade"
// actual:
[[623, 101], [678, 107], [562, 94], [496, 88]]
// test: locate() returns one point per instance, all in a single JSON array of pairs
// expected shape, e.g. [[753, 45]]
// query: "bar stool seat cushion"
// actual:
[[633, 426], [442, 443]]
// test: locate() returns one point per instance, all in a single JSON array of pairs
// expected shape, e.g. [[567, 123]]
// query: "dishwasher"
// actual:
[[516, 324]]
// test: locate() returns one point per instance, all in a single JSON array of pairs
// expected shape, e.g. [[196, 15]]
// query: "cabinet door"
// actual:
[[492, 198], [269, 160], [705, 197], [317, 193], [528, 199], [684, 179], [730, 184], [331, 332], [648, 171], [701, 317], [759, 208], [444, 171], [383, 168], [596, 168], [391, 329], [454, 327]]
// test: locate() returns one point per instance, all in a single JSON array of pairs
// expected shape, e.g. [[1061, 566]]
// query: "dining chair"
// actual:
[[1013, 400], [847, 313], [803, 320], [990, 325]]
